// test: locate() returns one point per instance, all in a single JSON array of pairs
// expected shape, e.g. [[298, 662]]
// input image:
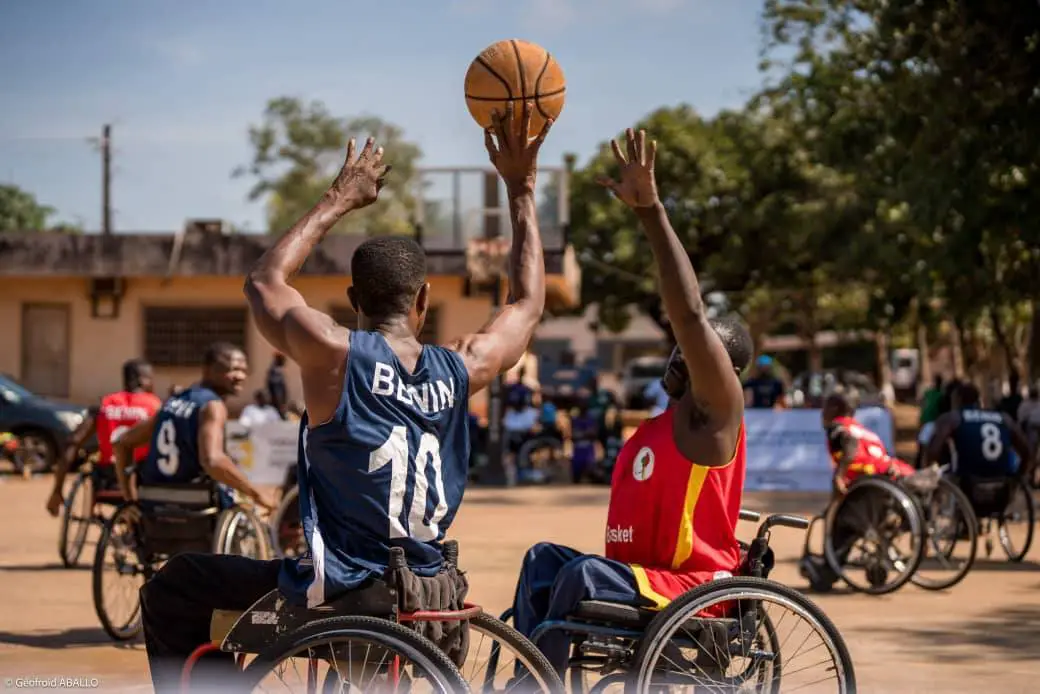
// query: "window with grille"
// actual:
[[179, 336], [345, 316]]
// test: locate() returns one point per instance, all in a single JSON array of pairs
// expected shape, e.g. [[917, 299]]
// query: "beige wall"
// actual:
[[100, 346]]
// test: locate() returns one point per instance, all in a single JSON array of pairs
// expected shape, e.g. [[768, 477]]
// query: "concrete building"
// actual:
[[74, 307]]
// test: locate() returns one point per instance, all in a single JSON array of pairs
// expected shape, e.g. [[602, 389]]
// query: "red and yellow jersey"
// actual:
[[673, 521], [119, 412], [870, 457]]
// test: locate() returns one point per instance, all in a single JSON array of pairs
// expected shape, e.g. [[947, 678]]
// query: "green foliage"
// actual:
[[299, 147], [20, 211]]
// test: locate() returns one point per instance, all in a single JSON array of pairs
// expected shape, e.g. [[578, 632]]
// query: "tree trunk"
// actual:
[[884, 366], [1010, 362], [1033, 359], [924, 357], [958, 349]]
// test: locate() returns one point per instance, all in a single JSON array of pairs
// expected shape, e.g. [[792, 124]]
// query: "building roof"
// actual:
[[193, 252]]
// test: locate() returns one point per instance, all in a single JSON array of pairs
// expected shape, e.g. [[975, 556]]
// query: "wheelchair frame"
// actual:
[[91, 517], [166, 514]]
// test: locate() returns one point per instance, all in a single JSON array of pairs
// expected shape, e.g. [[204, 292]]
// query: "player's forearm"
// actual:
[[526, 257], [223, 470], [121, 454], [680, 289]]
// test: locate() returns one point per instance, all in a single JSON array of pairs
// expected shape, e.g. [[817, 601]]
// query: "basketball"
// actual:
[[511, 72]]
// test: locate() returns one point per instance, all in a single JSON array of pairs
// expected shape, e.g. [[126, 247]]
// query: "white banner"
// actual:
[[787, 449], [264, 452]]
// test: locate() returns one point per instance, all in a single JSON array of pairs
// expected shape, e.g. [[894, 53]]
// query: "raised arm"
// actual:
[[311, 338], [214, 458], [713, 380], [500, 344]]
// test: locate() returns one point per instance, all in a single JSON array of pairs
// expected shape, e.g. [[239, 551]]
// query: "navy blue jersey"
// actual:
[[982, 444], [389, 469], [173, 456]]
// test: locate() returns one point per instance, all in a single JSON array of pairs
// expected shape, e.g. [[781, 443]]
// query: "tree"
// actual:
[[299, 147], [20, 211]]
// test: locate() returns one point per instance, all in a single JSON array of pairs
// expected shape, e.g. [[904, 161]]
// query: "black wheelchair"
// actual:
[[885, 533], [371, 639], [164, 521], [93, 493], [727, 635], [1004, 506]]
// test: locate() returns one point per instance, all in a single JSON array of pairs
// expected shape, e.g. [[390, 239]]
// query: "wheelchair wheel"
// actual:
[[951, 531], [76, 518], [287, 538], [240, 532], [488, 670], [1016, 525], [761, 621], [362, 653], [875, 536], [118, 576], [546, 453]]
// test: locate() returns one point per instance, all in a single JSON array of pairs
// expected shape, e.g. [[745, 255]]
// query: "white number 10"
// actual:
[[395, 451]]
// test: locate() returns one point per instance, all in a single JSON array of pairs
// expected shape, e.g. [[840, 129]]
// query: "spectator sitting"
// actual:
[[295, 412], [519, 423], [258, 412], [764, 390], [1028, 416], [584, 434], [548, 415], [1011, 402]]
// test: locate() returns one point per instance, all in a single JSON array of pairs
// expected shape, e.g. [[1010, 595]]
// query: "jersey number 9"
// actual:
[[395, 452], [168, 459], [992, 443]]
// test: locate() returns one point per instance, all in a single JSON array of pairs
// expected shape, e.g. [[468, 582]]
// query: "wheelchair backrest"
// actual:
[[178, 517], [989, 495]]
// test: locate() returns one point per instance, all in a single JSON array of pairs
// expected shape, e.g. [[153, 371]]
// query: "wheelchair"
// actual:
[[92, 490], [286, 526], [720, 636], [164, 521], [873, 538], [1004, 506], [951, 529], [362, 640]]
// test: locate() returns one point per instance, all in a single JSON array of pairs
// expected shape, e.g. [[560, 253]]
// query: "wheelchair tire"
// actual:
[[118, 629], [661, 630], [443, 675], [968, 518], [75, 522], [1014, 554], [525, 652], [234, 521], [536, 443], [914, 514]]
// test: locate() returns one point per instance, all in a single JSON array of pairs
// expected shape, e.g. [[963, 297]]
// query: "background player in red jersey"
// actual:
[[676, 489], [855, 449], [117, 412]]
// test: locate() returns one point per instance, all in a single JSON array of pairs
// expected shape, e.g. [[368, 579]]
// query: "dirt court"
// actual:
[[984, 635]]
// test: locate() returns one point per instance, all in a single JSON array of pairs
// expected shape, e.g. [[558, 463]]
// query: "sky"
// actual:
[[181, 82]]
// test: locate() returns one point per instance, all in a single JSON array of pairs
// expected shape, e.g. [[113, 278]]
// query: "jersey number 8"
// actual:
[[168, 459], [395, 452], [992, 444]]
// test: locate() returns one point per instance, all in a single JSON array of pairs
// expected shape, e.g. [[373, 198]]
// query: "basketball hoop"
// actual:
[[486, 259]]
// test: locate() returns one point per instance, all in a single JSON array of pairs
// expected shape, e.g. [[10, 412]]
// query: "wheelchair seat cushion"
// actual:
[[613, 613]]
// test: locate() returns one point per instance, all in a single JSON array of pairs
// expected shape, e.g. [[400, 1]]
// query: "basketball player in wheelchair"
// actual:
[[885, 518], [677, 599], [189, 495], [383, 459]]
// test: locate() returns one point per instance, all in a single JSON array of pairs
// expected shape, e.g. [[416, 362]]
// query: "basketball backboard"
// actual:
[[456, 204]]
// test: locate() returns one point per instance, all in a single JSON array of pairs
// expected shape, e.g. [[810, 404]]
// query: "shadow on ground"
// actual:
[[43, 567], [78, 637], [1014, 632]]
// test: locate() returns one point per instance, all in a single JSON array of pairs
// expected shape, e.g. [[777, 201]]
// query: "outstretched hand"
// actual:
[[360, 180], [511, 148], [635, 186]]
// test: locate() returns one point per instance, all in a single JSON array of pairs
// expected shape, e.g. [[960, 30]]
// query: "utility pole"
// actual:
[[106, 180]]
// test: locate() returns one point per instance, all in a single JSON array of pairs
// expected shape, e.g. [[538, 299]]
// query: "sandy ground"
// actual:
[[984, 635]]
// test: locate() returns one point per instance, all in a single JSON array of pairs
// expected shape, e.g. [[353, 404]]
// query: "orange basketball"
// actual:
[[511, 72]]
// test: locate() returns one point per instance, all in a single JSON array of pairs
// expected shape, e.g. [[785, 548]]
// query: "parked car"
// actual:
[[638, 374], [809, 389], [42, 425]]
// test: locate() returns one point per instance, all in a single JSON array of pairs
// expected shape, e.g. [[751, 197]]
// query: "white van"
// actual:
[[906, 369]]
